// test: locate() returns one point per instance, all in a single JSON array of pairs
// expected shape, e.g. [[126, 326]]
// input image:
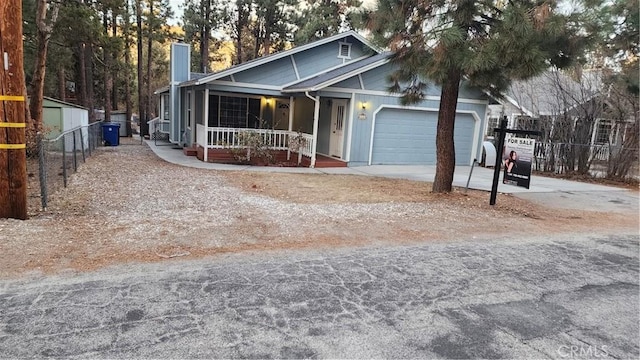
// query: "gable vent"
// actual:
[[345, 51]]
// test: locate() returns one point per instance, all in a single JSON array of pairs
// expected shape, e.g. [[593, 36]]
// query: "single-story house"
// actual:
[[333, 92]]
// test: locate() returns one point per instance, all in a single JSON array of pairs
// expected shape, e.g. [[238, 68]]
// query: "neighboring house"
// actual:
[[539, 103], [59, 116], [332, 91]]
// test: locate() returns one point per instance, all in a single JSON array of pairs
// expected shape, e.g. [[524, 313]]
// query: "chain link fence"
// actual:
[[59, 157]]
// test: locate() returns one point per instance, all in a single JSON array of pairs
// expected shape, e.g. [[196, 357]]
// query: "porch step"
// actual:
[[330, 164], [190, 151], [327, 162]]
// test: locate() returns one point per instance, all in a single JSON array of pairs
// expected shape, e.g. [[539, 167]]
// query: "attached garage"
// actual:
[[408, 137]]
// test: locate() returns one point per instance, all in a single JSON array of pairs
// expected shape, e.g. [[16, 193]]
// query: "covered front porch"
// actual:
[[222, 138], [301, 129]]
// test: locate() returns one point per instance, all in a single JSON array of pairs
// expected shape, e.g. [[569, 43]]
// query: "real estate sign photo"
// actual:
[[517, 157]]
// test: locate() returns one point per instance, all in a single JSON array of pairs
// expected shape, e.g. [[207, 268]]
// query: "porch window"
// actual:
[[233, 111]]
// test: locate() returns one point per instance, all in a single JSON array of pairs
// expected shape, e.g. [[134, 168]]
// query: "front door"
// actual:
[[338, 114], [281, 120]]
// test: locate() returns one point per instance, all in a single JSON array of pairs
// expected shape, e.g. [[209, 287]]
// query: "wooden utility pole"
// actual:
[[13, 156]]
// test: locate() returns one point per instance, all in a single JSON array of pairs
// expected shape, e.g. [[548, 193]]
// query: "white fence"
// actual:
[[228, 138], [157, 127]]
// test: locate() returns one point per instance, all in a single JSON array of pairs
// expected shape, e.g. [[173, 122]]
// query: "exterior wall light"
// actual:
[[363, 112]]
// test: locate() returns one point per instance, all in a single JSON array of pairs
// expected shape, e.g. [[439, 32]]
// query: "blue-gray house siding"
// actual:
[[414, 124], [377, 127]]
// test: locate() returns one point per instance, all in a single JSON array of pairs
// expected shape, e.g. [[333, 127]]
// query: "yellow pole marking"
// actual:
[[11, 98], [12, 125], [12, 146]]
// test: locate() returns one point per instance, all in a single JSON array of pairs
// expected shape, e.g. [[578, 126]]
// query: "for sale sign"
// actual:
[[516, 158]]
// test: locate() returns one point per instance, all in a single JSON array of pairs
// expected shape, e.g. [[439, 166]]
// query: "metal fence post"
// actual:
[[93, 136], [89, 142], [75, 154], [84, 158], [64, 159], [42, 171]]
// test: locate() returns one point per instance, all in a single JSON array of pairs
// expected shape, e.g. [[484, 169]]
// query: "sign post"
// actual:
[[502, 133]]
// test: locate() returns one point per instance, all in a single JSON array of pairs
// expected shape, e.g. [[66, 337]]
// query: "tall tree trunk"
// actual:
[[239, 47], [62, 84], [151, 20], [445, 149], [108, 85], [114, 70], [88, 55], [240, 24], [81, 88], [44, 28], [128, 101], [204, 36], [141, 107], [256, 44], [267, 41]]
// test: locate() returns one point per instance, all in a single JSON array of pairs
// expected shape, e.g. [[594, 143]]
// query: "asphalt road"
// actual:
[[570, 297]]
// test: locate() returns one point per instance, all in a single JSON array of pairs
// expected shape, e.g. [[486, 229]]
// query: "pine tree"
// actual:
[[237, 19], [320, 19], [200, 17], [272, 24], [486, 43], [46, 17]]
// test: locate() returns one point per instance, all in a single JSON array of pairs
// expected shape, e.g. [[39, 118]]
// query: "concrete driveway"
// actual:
[[552, 192]]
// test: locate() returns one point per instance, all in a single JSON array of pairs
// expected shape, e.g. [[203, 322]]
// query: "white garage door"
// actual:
[[408, 137]]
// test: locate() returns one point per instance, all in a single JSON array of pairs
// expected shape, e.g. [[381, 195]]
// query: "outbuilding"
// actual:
[[60, 116]]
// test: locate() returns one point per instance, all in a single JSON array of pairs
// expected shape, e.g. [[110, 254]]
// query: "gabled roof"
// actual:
[[550, 93], [193, 76], [342, 73], [164, 89], [62, 103], [276, 56]]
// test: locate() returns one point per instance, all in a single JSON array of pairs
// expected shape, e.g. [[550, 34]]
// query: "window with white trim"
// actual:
[[604, 132], [492, 123], [189, 111], [166, 106], [234, 111], [344, 51]]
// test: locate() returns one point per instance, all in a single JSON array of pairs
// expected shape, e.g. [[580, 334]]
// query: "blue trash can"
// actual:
[[111, 134]]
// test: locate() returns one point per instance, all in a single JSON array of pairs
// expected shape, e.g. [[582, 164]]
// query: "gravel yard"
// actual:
[[126, 205]]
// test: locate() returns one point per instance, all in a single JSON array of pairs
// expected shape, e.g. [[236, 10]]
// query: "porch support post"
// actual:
[[316, 116], [206, 125], [290, 126]]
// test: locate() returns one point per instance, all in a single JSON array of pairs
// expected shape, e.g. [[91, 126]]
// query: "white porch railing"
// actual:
[[227, 138], [158, 126]]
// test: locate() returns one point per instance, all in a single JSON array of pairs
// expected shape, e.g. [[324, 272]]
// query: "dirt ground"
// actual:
[[126, 205]]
